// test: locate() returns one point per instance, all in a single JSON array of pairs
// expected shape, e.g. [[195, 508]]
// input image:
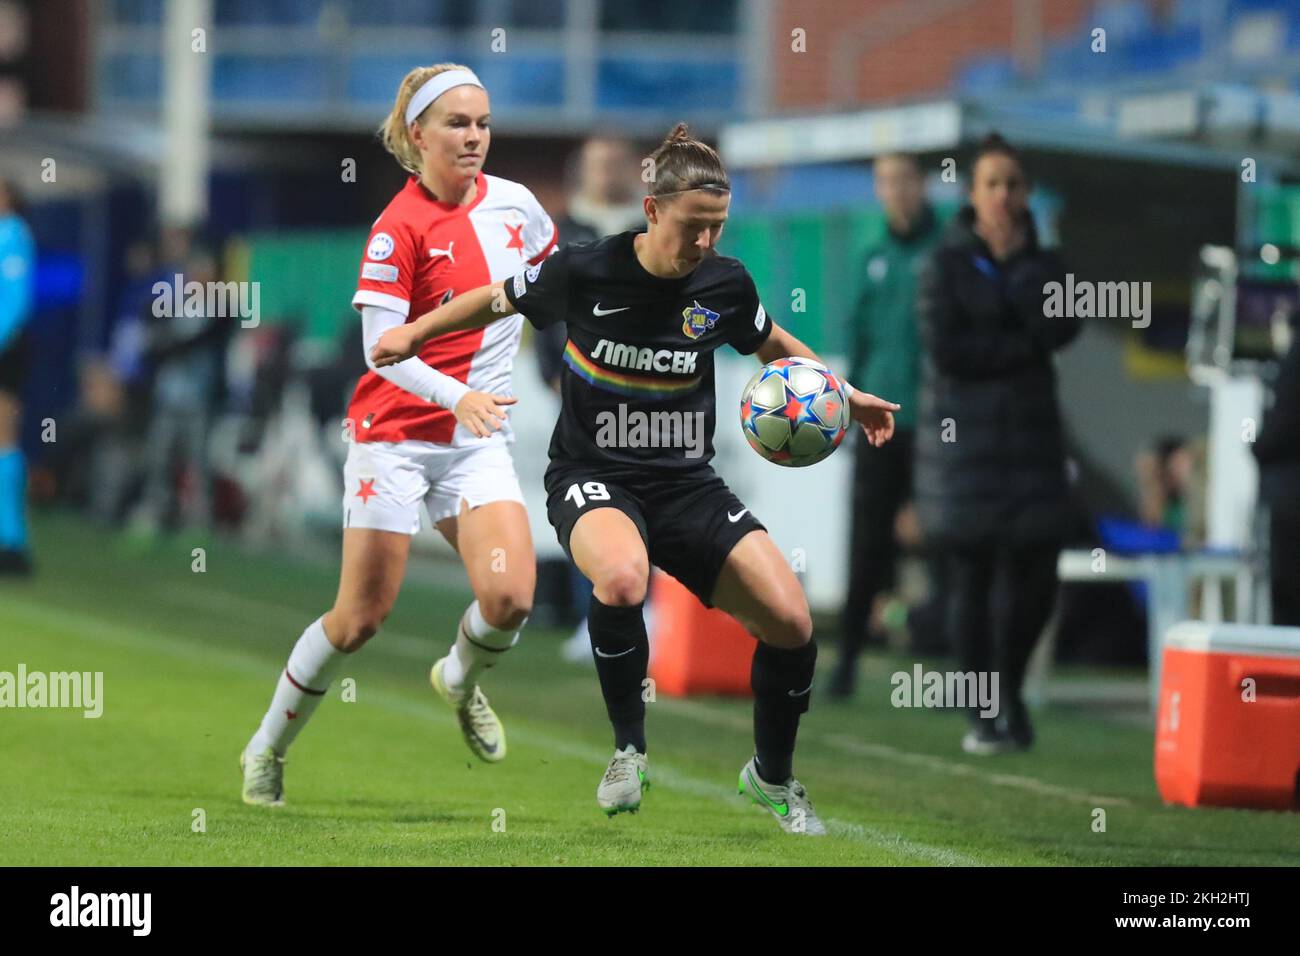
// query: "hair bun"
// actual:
[[681, 133], [683, 163]]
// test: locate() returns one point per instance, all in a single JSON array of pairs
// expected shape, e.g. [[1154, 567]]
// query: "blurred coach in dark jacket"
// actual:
[[1278, 452], [990, 463]]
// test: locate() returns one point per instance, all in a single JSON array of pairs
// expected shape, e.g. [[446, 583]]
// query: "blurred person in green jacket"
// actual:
[[885, 350]]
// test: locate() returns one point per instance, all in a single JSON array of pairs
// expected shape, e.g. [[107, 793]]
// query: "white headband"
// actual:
[[434, 87]]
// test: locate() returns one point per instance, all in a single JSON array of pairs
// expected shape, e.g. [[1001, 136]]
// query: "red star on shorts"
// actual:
[[290, 714], [367, 490], [516, 238]]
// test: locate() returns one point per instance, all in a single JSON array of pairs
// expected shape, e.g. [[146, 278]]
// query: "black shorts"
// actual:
[[689, 521], [13, 365]]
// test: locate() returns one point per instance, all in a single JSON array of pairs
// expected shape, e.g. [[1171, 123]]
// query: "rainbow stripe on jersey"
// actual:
[[626, 383]]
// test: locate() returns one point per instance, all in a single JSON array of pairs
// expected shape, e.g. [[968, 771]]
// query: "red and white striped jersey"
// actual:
[[421, 252]]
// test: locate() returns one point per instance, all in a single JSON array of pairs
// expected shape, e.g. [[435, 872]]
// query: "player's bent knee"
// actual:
[[355, 626], [788, 628], [506, 610], [622, 585]]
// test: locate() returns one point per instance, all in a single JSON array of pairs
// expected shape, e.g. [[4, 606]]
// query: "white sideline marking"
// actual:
[[676, 780], [426, 649], [242, 662], [698, 710], [940, 765]]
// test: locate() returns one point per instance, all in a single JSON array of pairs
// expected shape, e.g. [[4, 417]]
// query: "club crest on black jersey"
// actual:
[[697, 320]]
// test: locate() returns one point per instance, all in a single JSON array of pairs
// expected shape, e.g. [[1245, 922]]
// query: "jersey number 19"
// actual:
[[594, 490]]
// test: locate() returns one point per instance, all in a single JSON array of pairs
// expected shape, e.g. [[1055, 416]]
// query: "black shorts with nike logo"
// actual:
[[689, 520]]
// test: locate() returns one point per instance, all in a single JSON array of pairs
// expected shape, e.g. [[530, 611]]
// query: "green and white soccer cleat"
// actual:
[[263, 778], [624, 781], [479, 724], [787, 802]]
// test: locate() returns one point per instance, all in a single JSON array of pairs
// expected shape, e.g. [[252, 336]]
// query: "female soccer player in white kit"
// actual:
[[432, 428]]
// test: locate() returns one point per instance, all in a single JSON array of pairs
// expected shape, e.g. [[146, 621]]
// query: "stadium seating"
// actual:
[[339, 60], [1250, 35]]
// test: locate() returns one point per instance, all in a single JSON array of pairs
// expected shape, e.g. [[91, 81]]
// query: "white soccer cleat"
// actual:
[[624, 781], [787, 802], [479, 724], [263, 778]]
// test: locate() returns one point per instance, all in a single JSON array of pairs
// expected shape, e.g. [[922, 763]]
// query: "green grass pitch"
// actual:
[[189, 660]]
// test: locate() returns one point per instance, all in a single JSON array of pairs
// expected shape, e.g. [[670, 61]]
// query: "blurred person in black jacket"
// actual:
[[990, 476], [601, 178], [1277, 449]]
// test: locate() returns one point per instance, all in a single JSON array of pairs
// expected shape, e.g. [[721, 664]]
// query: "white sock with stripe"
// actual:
[[478, 646], [300, 690]]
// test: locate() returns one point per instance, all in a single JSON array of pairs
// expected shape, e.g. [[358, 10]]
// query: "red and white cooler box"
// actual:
[[1228, 727]]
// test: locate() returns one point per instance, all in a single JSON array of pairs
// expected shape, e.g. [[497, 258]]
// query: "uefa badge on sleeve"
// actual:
[[380, 248], [524, 277]]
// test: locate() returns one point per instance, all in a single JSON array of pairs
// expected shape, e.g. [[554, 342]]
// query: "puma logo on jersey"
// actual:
[[433, 253], [645, 360]]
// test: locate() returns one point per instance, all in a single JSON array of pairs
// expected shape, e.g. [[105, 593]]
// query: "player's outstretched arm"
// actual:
[[875, 415], [473, 310]]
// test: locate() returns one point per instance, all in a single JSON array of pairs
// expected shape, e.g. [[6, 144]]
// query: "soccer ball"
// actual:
[[794, 412]]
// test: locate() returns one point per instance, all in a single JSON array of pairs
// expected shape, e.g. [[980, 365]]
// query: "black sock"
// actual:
[[782, 683], [622, 654]]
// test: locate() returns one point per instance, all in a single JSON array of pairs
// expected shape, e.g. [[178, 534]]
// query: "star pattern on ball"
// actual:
[[792, 412], [785, 370], [795, 409], [798, 405]]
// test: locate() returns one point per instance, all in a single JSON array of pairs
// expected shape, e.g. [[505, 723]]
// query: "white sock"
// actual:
[[478, 646], [300, 690]]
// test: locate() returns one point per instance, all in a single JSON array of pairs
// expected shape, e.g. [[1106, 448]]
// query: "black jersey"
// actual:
[[638, 383]]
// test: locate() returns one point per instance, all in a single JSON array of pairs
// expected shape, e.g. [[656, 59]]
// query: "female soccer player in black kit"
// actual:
[[629, 482]]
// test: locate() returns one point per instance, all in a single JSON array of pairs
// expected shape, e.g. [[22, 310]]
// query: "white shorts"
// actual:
[[384, 482]]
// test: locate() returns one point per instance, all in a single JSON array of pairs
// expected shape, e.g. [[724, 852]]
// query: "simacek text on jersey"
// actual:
[[634, 429]]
